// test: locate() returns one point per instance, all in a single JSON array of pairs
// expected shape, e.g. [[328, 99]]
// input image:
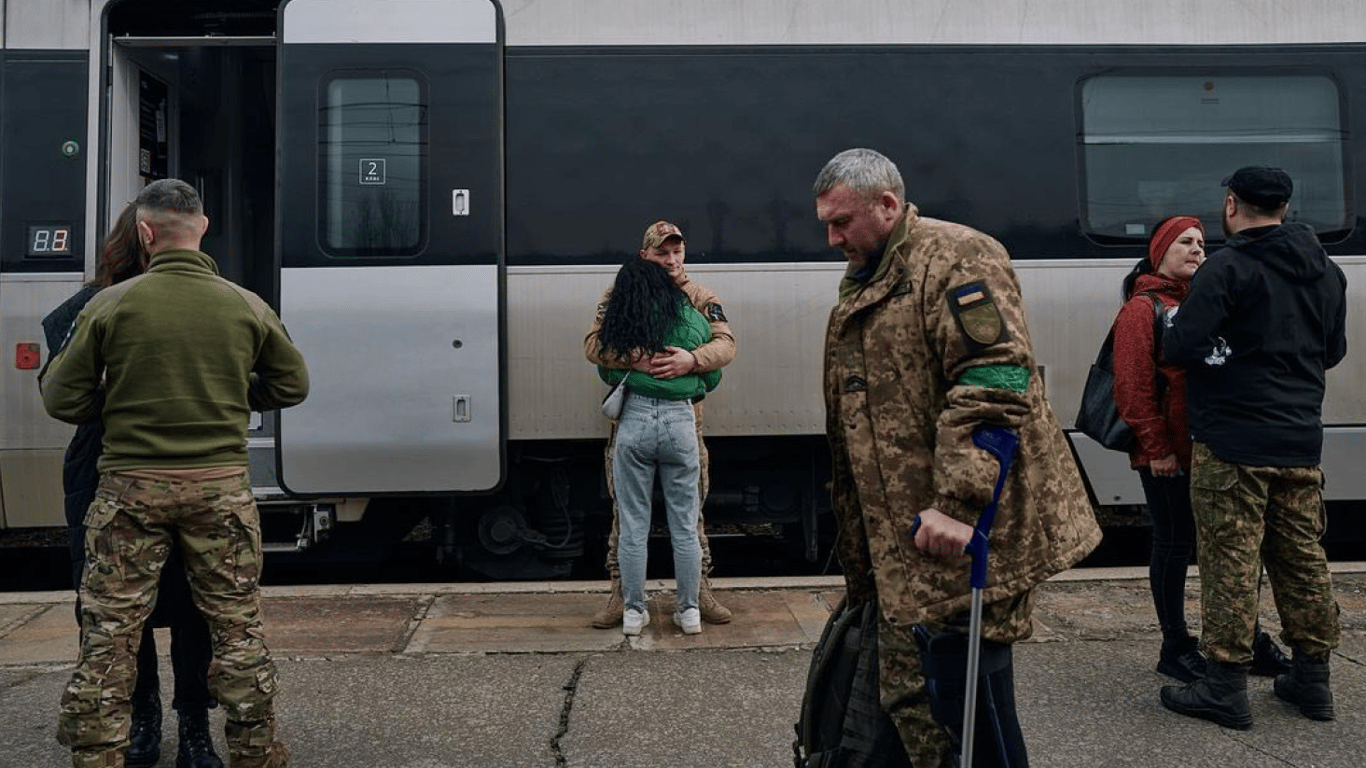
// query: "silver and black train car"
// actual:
[[434, 194]]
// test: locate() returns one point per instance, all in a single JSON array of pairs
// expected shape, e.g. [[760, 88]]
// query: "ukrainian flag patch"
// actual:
[[976, 313]]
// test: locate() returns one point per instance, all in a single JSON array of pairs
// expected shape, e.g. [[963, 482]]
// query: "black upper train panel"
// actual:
[[726, 142], [193, 18]]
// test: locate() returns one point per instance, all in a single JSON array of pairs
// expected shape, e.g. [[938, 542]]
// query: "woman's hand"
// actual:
[[1165, 467]]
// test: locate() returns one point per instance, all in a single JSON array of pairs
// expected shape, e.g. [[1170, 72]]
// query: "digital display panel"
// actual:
[[48, 240]]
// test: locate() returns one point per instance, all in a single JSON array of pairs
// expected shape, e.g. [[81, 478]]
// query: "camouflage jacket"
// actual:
[[933, 345]]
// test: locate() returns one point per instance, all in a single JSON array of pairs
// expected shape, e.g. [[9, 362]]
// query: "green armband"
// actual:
[[997, 377]]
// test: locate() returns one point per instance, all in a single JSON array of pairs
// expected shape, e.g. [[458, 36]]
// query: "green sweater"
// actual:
[[692, 332], [184, 357]]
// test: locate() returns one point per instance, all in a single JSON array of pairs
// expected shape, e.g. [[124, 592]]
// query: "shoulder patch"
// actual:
[[714, 313], [976, 313]]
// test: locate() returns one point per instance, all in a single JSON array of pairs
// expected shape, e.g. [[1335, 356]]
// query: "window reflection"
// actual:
[[1156, 145], [373, 147]]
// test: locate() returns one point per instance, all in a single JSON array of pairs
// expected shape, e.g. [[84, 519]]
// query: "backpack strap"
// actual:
[[1159, 328]]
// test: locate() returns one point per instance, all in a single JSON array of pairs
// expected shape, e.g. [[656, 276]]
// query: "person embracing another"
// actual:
[[648, 314], [172, 362], [1150, 393], [1264, 320], [122, 257], [927, 341], [663, 244]]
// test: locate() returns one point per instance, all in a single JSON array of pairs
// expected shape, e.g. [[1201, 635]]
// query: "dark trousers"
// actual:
[[1173, 545]]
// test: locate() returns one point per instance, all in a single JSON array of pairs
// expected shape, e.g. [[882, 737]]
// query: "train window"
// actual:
[[1155, 145], [373, 159]]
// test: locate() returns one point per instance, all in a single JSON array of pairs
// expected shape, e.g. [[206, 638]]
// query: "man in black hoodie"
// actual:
[[1263, 321]]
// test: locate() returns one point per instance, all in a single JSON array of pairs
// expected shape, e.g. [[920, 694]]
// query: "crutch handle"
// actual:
[[1001, 443]]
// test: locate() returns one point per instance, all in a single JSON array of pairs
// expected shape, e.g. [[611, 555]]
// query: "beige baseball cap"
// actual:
[[657, 233]]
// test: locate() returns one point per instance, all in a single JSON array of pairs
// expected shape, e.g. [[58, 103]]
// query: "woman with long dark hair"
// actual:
[[647, 313]]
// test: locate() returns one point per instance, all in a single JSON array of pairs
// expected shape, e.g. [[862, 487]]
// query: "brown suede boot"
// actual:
[[276, 756], [243, 739], [712, 611], [610, 615]]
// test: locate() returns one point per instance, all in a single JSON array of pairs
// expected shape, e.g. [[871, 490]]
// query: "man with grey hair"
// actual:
[[173, 362], [926, 342]]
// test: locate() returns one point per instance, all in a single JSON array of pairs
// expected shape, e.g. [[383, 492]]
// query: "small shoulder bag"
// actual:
[[615, 399]]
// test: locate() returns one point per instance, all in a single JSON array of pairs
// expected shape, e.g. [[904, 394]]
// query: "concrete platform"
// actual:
[[431, 676]]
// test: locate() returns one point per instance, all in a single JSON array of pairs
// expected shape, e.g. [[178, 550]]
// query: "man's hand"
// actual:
[[671, 363], [941, 535]]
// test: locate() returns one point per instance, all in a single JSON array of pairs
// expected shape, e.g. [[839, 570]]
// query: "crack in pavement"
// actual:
[[570, 689]]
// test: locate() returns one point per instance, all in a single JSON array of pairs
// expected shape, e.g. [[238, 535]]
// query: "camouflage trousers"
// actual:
[[130, 528], [1246, 517], [901, 683], [703, 486]]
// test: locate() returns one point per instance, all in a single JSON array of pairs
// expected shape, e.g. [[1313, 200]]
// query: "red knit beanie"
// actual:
[[1166, 234]]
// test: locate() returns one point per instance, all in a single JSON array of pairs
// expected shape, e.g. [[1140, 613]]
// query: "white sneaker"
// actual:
[[689, 620], [633, 621]]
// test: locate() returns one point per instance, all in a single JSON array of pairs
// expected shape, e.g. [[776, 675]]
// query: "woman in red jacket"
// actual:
[[1151, 396]]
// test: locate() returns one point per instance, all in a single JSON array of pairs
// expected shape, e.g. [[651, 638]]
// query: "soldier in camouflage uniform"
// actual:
[[179, 357], [1264, 319], [663, 244], [928, 340]]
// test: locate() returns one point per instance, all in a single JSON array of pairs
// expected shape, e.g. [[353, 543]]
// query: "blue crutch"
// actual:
[[1001, 443]]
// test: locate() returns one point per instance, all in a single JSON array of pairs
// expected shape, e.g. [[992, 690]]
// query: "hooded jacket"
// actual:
[[1264, 319], [934, 344]]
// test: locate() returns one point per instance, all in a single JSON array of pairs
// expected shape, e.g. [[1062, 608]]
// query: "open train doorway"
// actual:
[[350, 158], [195, 99]]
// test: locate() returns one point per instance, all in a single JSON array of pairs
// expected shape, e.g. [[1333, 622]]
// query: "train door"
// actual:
[[390, 229]]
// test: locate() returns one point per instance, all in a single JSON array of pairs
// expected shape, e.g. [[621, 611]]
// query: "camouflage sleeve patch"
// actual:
[[976, 315], [714, 313]]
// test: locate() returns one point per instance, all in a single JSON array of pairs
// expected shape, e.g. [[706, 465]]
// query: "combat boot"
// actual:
[[1220, 696], [1181, 659], [1267, 658], [610, 615], [196, 743], [712, 611], [1307, 687], [144, 738]]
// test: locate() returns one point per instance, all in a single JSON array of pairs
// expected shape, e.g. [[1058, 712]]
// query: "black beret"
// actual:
[[1267, 188]]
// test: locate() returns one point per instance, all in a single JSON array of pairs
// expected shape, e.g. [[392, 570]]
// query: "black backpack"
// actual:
[[842, 723], [1098, 418]]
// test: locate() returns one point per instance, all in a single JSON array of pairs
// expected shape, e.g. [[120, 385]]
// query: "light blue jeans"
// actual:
[[657, 435]]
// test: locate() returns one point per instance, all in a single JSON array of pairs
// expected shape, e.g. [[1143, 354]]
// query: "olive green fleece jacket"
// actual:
[[691, 332], [183, 357]]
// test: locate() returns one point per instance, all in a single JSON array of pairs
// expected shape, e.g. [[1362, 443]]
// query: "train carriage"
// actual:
[[434, 194]]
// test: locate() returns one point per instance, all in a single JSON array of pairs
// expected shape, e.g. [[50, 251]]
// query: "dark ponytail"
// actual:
[[1143, 267]]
